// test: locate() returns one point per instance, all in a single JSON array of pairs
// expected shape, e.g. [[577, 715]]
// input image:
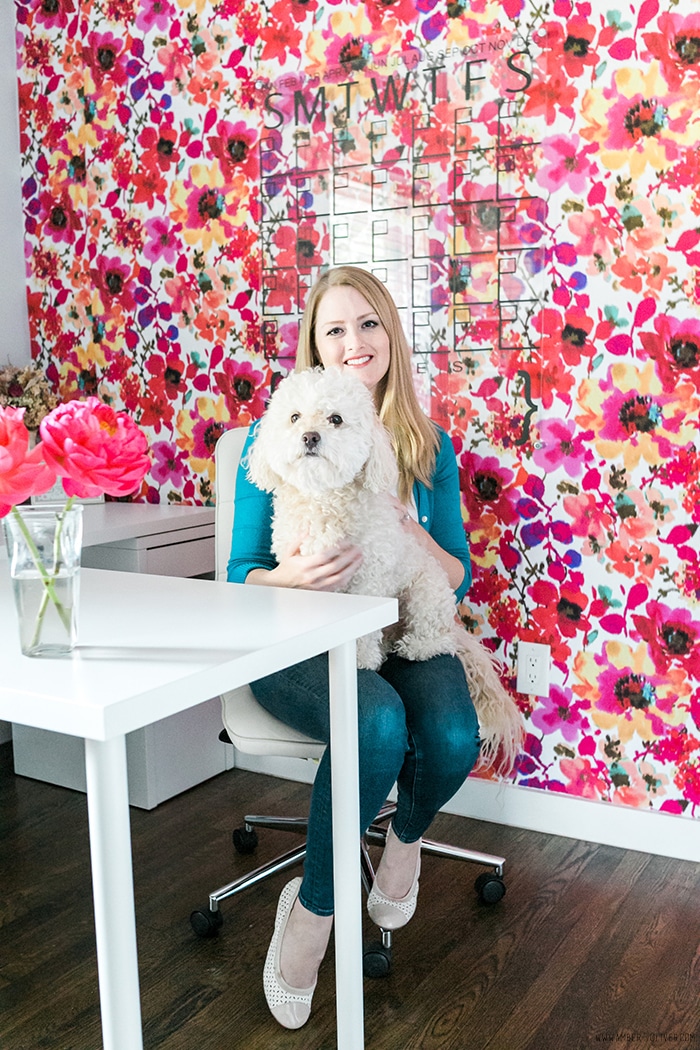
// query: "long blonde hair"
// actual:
[[414, 436]]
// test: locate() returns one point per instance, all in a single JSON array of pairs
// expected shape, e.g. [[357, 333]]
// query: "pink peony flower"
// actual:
[[94, 449], [22, 473]]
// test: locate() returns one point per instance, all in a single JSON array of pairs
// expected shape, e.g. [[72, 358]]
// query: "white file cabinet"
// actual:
[[178, 752]]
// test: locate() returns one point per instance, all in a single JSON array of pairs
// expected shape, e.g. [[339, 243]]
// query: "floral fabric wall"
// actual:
[[526, 179]]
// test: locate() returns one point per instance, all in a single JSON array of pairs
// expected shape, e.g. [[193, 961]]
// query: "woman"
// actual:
[[417, 724]]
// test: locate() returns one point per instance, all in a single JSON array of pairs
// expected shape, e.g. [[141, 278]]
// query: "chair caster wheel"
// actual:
[[376, 961], [206, 923], [245, 840], [491, 888]]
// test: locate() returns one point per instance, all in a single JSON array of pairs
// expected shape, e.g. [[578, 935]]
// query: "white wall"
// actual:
[[14, 338], [14, 329]]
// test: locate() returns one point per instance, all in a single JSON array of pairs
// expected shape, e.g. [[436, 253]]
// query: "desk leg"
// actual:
[[113, 893], [346, 851]]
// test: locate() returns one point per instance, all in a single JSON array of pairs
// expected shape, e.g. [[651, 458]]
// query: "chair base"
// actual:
[[490, 888]]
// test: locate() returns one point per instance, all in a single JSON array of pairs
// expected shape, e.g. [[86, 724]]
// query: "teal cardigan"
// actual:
[[439, 511]]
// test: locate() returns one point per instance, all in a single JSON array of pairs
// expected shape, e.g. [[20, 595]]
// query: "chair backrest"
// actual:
[[227, 455]]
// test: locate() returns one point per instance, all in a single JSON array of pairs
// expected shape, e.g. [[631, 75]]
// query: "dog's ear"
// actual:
[[381, 474], [258, 468]]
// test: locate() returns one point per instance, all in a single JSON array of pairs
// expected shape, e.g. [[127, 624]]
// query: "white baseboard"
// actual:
[[557, 814], [549, 812]]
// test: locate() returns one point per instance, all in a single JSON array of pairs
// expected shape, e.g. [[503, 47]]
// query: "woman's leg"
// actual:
[[298, 696], [443, 732]]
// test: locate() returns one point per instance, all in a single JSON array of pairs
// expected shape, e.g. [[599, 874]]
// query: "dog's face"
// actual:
[[321, 432]]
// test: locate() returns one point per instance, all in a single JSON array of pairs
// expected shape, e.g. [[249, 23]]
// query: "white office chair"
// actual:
[[251, 729]]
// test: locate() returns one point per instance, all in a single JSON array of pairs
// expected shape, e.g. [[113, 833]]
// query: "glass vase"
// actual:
[[44, 545]]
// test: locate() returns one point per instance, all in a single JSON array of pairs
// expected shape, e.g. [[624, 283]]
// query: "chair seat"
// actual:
[[255, 731]]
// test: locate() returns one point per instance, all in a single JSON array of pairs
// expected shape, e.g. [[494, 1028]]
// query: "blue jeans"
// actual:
[[417, 728]]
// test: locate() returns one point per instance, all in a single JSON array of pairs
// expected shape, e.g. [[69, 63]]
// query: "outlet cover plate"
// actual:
[[533, 668]]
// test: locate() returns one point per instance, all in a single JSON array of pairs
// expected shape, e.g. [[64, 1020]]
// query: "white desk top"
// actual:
[[111, 522], [108, 522], [150, 646]]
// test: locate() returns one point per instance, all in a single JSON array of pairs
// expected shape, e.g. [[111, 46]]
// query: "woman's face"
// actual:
[[349, 335]]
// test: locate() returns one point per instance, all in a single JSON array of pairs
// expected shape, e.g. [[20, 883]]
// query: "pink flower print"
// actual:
[[169, 464], [560, 713], [585, 779], [566, 164], [632, 417], [162, 241], [561, 447], [154, 14]]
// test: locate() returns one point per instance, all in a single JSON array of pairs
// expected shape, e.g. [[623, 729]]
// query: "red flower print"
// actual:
[[489, 488], [568, 45], [53, 13], [675, 348], [245, 391], [114, 279], [677, 47], [161, 148], [235, 147], [171, 378], [106, 57], [672, 635], [60, 220]]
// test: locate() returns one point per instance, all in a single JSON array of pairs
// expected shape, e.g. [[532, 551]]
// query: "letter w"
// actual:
[[390, 86]]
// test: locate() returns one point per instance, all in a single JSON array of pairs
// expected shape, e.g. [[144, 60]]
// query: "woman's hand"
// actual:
[[332, 570]]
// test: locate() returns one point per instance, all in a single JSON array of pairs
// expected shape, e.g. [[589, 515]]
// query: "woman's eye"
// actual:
[[370, 324], [335, 419], [294, 416], [335, 331]]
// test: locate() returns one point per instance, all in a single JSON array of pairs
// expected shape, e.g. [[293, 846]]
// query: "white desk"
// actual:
[[151, 646], [171, 755]]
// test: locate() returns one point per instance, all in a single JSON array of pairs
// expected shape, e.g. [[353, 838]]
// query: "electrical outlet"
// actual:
[[533, 668]]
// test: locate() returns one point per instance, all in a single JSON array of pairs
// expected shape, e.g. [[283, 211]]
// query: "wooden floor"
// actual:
[[591, 946]]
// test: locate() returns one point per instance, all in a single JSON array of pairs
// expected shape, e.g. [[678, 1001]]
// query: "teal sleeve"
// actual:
[[252, 525], [440, 510]]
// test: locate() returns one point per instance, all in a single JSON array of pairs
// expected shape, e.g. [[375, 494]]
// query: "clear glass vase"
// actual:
[[44, 546]]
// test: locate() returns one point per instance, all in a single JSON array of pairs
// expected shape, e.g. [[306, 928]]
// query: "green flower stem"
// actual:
[[47, 578]]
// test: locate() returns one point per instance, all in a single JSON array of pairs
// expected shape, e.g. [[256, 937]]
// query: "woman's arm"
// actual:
[[440, 519], [454, 568]]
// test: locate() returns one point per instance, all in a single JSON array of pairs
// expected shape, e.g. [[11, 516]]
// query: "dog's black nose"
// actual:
[[311, 439]]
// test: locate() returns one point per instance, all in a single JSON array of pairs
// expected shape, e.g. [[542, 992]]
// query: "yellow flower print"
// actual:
[[627, 696], [637, 121], [208, 206], [634, 418], [200, 429]]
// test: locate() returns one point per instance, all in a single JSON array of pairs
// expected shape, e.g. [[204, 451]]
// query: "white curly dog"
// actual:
[[323, 453]]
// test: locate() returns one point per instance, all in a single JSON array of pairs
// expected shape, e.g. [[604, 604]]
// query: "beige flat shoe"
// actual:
[[289, 1006], [392, 913]]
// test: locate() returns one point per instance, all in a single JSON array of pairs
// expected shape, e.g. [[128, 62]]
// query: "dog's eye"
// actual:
[[294, 416], [335, 419]]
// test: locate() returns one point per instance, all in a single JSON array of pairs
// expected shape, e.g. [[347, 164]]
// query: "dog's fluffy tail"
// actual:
[[500, 721]]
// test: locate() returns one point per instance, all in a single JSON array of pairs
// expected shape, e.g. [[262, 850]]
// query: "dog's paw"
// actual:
[[370, 653], [415, 647]]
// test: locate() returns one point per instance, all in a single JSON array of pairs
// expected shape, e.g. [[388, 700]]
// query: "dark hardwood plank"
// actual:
[[591, 946]]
